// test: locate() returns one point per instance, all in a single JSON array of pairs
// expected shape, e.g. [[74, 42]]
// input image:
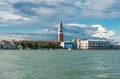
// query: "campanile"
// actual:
[[60, 32]]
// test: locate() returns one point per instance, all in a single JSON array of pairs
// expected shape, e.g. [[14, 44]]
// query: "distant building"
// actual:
[[116, 46], [4, 44], [93, 44], [60, 32], [82, 44], [68, 44]]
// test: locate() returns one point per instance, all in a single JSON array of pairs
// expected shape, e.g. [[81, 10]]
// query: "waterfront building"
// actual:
[[116, 46], [93, 44], [82, 44], [60, 32], [68, 44], [4, 44]]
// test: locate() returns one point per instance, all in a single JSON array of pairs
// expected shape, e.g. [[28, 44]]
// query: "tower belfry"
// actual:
[[60, 32]]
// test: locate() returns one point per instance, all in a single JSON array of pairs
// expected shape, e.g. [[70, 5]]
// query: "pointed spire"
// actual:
[[60, 26], [60, 22], [60, 31]]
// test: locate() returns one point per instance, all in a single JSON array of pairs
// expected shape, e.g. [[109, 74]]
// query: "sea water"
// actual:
[[60, 64]]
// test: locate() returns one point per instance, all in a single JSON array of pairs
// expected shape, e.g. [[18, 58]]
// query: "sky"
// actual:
[[38, 19]]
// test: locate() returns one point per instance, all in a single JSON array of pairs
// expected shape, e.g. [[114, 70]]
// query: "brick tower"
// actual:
[[60, 32]]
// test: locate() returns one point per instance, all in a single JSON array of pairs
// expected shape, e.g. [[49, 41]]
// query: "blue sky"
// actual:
[[38, 19]]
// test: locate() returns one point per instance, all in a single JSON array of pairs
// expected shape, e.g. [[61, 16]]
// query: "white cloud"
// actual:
[[100, 28], [46, 31], [38, 1], [5, 16], [102, 32], [104, 35], [79, 25], [44, 11], [11, 37], [91, 31]]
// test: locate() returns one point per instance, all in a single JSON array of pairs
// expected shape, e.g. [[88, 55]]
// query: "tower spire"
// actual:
[[60, 31]]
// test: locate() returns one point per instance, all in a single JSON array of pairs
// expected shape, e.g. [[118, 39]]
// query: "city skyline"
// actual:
[[38, 19]]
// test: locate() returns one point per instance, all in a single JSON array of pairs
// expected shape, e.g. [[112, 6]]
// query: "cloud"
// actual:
[[38, 32], [98, 8], [25, 37], [89, 31], [9, 15], [102, 32], [78, 25], [46, 13], [46, 31], [42, 11], [11, 37], [5, 16], [38, 35]]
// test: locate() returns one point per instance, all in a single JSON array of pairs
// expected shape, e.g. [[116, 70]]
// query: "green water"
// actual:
[[59, 64]]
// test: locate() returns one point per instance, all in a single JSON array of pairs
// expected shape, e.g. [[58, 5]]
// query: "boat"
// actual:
[[69, 49]]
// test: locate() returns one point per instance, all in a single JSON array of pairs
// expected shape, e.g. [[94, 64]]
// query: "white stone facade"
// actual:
[[92, 44]]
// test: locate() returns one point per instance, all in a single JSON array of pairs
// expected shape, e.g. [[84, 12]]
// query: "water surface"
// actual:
[[60, 64]]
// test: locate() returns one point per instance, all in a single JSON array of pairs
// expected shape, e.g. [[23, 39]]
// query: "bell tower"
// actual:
[[60, 32]]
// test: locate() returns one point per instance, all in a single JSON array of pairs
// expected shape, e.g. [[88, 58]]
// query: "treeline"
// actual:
[[38, 46]]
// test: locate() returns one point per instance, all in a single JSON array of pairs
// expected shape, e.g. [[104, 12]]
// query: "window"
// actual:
[[90, 43], [96, 43], [101, 43]]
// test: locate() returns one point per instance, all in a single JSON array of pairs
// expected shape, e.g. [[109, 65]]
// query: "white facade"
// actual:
[[92, 44], [99, 44], [82, 44], [62, 44]]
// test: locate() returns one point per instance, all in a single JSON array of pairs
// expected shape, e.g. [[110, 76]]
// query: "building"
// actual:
[[60, 32], [68, 44], [93, 44], [82, 44], [116, 46], [4, 44]]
